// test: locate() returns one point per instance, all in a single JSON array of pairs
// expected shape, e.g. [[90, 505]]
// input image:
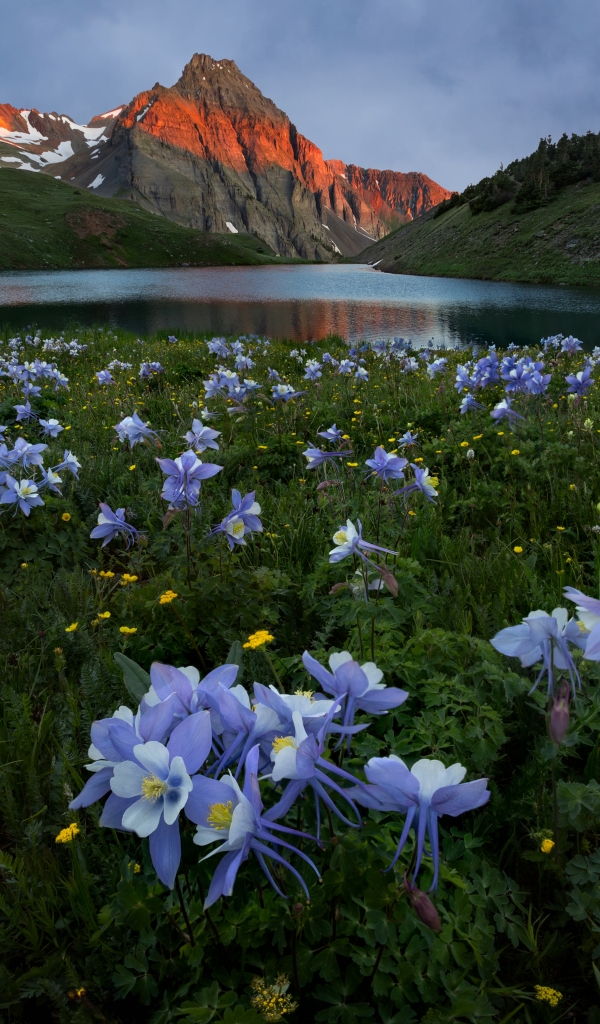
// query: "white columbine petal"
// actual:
[[155, 758], [143, 817], [127, 779], [339, 659]]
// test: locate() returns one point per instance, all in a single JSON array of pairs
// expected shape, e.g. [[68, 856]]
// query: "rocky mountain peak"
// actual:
[[220, 83]]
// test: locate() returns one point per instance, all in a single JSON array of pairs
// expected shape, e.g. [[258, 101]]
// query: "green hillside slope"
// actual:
[[45, 223], [554, 244]]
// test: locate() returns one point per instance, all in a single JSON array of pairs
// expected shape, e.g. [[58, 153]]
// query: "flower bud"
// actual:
[[423, 906], [559, 716]]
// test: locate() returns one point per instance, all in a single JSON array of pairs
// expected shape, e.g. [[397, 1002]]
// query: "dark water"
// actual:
[[300, 303]]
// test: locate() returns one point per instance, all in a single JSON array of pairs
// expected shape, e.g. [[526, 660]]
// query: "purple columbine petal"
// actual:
[[466, 796], [191, 740], [165, 851], [94, 789]]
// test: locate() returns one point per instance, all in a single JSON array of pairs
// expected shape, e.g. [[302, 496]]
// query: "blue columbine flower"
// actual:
[[437, 366], [360, 685], [588, 611], [469, 404], [537, 383], [200, 437], [148, 370], [70, 462], [315, 457], [579, 382], [233, 817], [284, 392], [24, 413], [331, 434], [134, 430], [112, 524], [243, 519], [545, 638], [113, 740], [154, 786], [407, 440], [50, 480], [504, 410], [184, 475], [349, 541], [386, 466], [21, 493], [424, 793], [299, 759], [569, 345], [105, 377], [52, 428], [26, 454], [422, 483]]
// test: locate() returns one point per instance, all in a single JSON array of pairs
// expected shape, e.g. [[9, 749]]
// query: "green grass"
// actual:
[[48, 224], [511, 527], [556, 244]]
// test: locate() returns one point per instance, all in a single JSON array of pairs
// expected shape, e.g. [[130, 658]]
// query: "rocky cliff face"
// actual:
[[212, 152]]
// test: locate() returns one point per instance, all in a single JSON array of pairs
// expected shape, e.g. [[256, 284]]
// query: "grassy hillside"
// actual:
[[555, 244], [45, 223]]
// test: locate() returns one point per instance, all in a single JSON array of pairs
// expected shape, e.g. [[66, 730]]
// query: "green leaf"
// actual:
[[236, 657], [136, 679]]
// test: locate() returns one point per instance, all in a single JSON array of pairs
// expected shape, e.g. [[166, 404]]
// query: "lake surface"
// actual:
[[300, 303]]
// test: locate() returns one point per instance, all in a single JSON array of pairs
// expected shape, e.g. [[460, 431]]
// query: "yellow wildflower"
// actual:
[[72, 627], [131, 468], [24, 565], [547, 995], [104, 615], [66, 835], [547, 846], [515, 451], [477, 437], [464, 444], [561, 528], [167, 597], [352, 465], [66, 516], [518, 550], [271, 1000], [107, 575], [259, 639], [411, 513], [128, 630], [126, 578]]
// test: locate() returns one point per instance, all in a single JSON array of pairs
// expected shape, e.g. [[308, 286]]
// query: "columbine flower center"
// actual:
[[219, 816], [341, 537], [153, 788], [237, 528], [283, 741], [305, 693]]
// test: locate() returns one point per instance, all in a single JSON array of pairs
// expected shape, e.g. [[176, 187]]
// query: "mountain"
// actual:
[[558, 243], [45, 223], [211, 152], [536, 220]]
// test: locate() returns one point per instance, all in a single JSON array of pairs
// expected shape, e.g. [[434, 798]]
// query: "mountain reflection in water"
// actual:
[[299, 303]]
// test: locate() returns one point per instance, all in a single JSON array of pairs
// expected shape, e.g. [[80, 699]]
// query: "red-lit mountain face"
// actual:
[[213, 153]]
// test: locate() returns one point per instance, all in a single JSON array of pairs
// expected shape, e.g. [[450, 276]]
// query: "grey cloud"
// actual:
[[448, 87]]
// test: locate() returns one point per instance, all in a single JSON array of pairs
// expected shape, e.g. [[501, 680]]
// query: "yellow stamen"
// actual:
[[283, 741], [220, 815], [305, 693], [153, 788], [341, 537]]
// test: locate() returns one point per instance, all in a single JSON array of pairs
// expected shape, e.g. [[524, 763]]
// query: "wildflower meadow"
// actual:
[[300, 698]]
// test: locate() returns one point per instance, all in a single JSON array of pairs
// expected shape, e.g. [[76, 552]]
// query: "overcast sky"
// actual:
[[448, 87]]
